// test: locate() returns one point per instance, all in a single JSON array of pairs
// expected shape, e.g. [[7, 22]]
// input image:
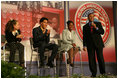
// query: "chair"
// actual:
[[80, 60], [3, 43], [61, 51], [46, 54], [66, 56], [6, 49]]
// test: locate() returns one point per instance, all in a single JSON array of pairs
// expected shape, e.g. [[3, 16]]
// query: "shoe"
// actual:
[[93, 75], [72, 65], [50, 64]]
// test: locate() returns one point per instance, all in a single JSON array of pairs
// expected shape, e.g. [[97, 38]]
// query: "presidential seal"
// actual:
[[81, 18]]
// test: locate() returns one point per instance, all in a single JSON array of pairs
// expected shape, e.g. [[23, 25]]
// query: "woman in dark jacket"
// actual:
[[13, 37]]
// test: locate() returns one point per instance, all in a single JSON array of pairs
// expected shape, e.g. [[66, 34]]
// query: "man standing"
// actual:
[[41, 38], [92, 41]]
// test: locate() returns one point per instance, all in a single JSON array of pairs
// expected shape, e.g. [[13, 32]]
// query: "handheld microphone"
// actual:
[[91, 23]]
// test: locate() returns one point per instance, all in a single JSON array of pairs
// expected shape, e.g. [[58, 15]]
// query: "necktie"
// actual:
[[91, 29]]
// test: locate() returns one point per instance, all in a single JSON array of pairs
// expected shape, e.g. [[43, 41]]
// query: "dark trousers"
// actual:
[[92, 59], [41, 50], [13, 47]]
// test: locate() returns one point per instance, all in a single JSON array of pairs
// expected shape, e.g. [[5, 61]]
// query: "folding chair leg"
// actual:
[[81, 61], [30, 62], [58, 65], [38, 72], [55, 67], [25, 61], [67, 65], [4, 52], [60, 62], [66, 58], [73, 63]]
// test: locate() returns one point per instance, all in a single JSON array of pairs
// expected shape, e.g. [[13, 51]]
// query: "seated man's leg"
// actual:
[[54, 49], [41, 50]]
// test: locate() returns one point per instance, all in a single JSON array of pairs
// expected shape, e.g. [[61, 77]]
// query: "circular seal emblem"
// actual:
[[81, 18]]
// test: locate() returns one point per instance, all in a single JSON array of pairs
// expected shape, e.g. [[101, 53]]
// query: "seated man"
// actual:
[[68, 38], [41, 38]]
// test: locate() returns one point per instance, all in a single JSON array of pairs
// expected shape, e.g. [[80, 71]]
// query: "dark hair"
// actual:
[[43, 18], [10, 25], [68, 22], [89, 14]]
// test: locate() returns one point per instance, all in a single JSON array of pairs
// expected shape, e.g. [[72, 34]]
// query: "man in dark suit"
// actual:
[[92, 41], [41, 38]]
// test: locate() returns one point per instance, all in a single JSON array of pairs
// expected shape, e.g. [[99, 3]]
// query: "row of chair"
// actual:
[[47, 54]]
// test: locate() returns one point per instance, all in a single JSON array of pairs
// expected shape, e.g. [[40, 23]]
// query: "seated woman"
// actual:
[[13, 37], [68, 38]]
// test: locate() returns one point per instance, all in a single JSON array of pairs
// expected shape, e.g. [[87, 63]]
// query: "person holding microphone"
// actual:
[[93, 43], [41, 38]]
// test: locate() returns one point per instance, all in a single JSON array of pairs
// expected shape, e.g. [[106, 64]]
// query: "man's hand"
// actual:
[[19, 36], [48, 32], [44, 30], [85, 49], [93, 24], [73, 44]]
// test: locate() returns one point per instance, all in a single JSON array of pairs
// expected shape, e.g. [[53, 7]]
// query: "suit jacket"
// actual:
[[93, 38], [39, 37], [12, 38]]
